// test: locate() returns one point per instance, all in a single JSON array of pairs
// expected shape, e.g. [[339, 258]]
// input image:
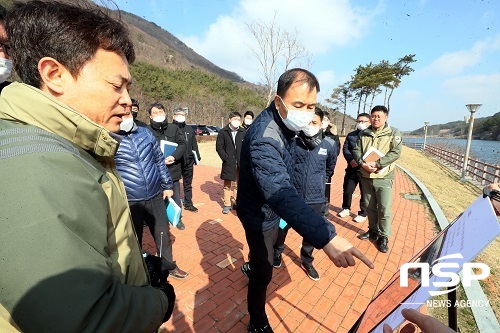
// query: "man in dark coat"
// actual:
[[162, 130], [266, 192], [188, 160], [315, 156], [351, 178], [228, 147]]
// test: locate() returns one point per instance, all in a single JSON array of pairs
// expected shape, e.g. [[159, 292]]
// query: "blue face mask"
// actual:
[[296, 120]]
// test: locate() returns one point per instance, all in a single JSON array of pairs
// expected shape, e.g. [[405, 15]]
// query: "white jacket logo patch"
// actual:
[[322, 151]]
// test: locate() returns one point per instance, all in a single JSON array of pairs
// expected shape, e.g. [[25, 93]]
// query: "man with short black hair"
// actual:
[[62, 198], [351, 177], [188, 160], [162, 130], [266, 193], [315, 156], [228, 146], [377, 177], [135, 113], [248, 119]]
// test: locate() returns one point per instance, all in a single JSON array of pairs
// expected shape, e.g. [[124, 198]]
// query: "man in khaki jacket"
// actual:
[[377, 177], [69, 256]]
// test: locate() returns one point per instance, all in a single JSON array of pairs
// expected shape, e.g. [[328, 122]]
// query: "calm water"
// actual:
[[484, 150]]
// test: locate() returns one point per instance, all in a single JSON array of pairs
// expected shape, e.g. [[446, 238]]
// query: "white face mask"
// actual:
[[5, 69], [297, 120], [361, 126], [127, 124], [159, 119], [235, 123], [248, 122], [180, 119], [311, 131]]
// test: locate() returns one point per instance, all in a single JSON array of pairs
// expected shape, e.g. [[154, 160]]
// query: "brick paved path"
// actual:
[[212, 249]]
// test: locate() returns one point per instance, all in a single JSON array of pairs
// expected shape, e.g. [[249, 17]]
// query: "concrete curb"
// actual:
[[485, 317]]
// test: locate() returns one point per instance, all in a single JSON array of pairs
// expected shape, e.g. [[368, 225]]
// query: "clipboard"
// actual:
[[373, 155], [173, 212], [196, 160], [167, 148]]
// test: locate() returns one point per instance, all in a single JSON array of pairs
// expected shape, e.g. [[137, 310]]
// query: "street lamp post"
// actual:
[[425, 133], [472, 108]]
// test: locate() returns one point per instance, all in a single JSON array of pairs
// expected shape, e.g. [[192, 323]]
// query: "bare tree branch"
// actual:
[[276, 50]]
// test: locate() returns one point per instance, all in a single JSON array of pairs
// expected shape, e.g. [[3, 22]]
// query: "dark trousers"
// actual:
[[177, 193], [187, 180], [261, 255], [152, 212], [351, 180], [306, 250]]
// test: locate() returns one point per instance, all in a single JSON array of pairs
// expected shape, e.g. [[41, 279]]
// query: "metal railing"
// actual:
[[414, 145], [480, 171]]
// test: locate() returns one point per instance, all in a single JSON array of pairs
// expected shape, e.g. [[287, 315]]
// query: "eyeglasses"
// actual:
[[6, 48]]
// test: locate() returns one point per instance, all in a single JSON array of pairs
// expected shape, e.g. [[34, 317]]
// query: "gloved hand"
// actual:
[[156, 274], [158, 278]]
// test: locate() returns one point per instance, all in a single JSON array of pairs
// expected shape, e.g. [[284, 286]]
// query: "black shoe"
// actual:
[[277, 261], [245, 269], [265, 329], [178, 274], [191, 208], [311, 272], [181, 225], [382, 243], [369, 235]]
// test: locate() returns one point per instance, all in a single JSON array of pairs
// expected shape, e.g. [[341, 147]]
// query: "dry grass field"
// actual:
[[453, 197]]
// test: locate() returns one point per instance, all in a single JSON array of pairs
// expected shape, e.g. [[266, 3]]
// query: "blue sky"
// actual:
[[456, 42]]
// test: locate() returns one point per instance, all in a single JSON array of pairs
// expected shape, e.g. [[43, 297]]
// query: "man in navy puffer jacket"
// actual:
[[147, 181], [265, 191], [315, 156]]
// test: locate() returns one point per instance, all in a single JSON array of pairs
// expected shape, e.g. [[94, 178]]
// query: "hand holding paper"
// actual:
[[371, 157], [169, 160]]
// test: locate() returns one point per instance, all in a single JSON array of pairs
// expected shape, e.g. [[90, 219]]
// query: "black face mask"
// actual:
[[311, 142], [134, 114]]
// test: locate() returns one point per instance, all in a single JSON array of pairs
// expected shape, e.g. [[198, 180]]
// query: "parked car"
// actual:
[[202, 130], [214, 128]]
